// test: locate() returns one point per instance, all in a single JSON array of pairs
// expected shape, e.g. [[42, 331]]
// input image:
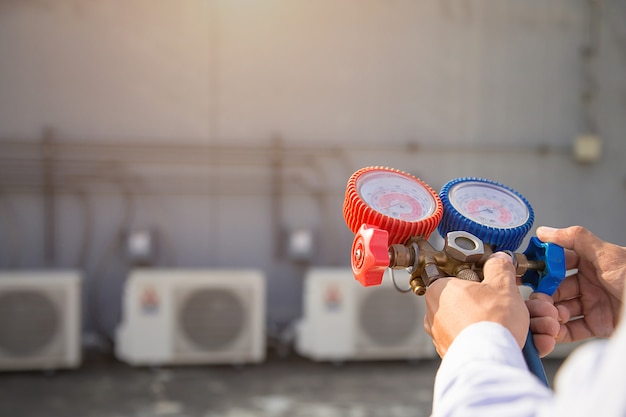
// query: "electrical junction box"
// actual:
[[587, 149]]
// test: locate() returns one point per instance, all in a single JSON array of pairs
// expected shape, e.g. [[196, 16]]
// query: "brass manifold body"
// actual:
[[462, 256]]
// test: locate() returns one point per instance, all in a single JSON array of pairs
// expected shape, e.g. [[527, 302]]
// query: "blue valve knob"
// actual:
[[553, 256]]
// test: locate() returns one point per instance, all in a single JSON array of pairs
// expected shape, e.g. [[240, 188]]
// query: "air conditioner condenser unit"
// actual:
[[40, 320], [176, 316], [344, 321]]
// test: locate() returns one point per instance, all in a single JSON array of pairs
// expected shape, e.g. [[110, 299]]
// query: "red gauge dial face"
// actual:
[[391, 200], [396, 195]]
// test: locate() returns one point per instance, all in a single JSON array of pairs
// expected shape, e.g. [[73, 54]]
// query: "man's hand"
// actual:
[[544, 322], [453, 304], [587, 303]]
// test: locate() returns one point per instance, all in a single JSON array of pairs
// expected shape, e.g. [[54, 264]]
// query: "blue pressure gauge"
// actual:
[[493, 212]]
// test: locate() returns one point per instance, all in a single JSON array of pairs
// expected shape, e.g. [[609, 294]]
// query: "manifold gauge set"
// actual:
[[393, 213]]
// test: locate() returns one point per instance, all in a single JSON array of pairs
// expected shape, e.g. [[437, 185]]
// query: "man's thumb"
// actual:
[[576, 238], [498, 270]]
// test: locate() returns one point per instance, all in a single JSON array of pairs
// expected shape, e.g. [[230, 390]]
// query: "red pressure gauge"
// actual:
[[395, 206]]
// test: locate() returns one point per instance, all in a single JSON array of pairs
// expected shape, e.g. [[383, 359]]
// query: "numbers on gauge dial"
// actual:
[[396, 196], [489, 204]]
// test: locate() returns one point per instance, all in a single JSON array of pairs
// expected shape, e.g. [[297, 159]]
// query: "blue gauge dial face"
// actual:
[[489, 204], [396, 195]]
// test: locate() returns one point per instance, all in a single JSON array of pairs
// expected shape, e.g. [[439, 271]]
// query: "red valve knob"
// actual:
[[370, 257]]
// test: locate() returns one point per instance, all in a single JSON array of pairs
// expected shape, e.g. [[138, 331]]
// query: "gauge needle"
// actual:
[[395, 204], [391, 205], [487, 209]]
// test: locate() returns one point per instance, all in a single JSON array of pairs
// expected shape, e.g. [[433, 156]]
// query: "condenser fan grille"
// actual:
[[212, 319], [388, 317], [29, 320]]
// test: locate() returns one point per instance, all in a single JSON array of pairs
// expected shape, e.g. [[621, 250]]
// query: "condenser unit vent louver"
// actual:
[[39, 320], [211, 319], [386, 319]]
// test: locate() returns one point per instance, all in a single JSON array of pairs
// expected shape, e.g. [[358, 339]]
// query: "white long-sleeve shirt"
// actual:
[[484, 374]]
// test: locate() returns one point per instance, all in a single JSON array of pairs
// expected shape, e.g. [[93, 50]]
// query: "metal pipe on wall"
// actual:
[[276, 197], [49, 209]]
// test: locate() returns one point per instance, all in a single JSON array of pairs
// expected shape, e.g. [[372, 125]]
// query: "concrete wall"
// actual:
[[223, 125]]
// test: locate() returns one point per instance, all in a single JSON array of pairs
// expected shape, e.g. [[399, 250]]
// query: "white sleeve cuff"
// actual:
[[484, 373], [483, 341]]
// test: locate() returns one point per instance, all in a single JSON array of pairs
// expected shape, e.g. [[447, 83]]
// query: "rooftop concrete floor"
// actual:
[[288, 386]]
